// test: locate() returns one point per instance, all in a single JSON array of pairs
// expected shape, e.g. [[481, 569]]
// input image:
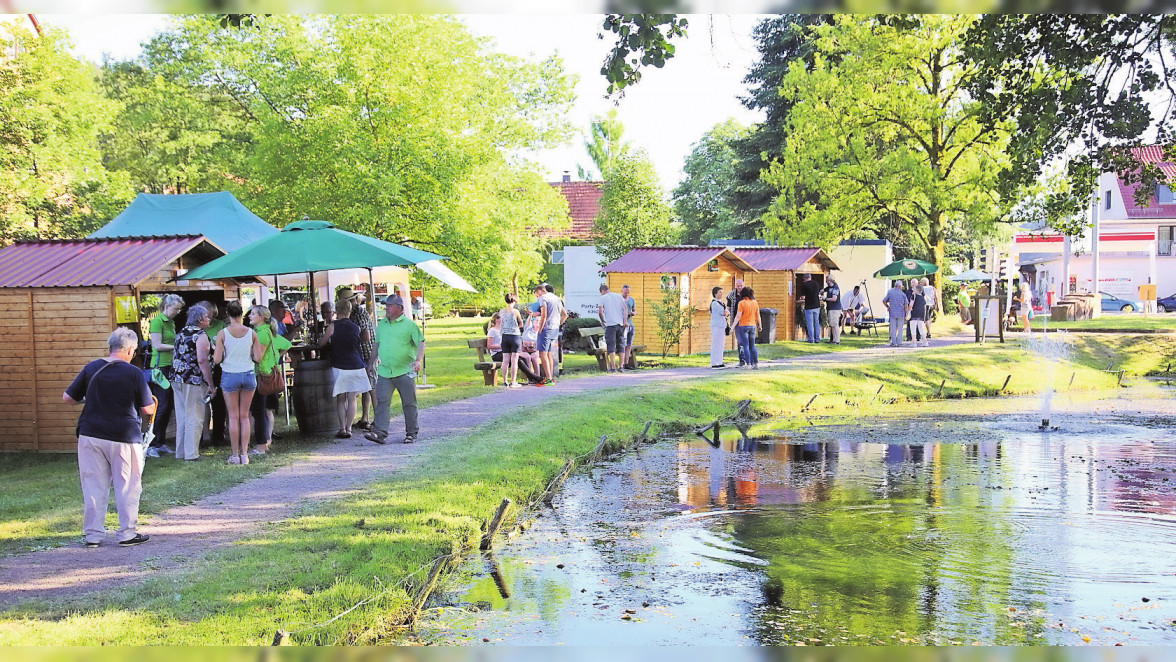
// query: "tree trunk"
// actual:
[[938, 249]]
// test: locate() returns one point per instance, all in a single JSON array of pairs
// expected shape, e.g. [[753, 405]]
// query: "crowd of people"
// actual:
[[911, 307], [527, 341]]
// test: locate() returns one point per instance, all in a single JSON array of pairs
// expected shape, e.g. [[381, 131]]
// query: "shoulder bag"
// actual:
[[271, 383]]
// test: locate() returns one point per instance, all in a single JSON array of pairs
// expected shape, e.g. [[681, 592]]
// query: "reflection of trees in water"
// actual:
[[899, 548]]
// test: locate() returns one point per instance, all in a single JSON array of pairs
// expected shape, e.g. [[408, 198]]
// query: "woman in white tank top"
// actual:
[[237, 348]]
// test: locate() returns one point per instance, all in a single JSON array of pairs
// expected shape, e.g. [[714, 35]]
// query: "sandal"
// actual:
[[341, 434], [375, 436], [234, 459], [364, 425]]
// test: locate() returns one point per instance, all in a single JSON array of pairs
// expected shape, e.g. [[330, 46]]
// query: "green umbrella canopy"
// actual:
[[969, 276], [903, 268], [308, 246]]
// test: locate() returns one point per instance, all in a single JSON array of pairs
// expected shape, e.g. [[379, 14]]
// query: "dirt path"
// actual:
[[329, 472]]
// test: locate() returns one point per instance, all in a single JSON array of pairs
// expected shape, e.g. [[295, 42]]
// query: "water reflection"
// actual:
[[949, 533]]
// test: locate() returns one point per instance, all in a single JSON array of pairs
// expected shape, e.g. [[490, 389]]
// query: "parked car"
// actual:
[[1112, 303]]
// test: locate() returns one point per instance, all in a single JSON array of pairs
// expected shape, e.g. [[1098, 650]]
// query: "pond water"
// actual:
[[907, 529]]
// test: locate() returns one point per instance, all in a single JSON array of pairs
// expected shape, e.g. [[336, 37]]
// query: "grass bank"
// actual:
[[374, 546], [1114, 323], [41, 509]]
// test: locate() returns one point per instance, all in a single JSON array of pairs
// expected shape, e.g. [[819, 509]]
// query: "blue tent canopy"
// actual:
[[220, 217]]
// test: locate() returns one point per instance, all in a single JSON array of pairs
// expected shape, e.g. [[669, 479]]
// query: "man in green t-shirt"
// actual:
[[399, 350], [965, 302]]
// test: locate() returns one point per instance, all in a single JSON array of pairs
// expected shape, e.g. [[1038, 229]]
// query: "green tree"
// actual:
[[703, 200], [402, 127], [633, 211], [672, 318], [1079, 88], [172, 136], [52, 182], [781, 41], [883, 127], [605, 144]]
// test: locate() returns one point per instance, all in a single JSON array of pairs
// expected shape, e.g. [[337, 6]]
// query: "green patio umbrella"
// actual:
[[969, 276], [900, 268], [307, 247]]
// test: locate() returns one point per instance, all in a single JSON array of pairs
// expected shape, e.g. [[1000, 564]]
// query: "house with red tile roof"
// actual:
[[583, 207], [1135, 240]]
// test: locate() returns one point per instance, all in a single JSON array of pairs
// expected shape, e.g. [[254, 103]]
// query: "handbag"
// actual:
[[270, 383]]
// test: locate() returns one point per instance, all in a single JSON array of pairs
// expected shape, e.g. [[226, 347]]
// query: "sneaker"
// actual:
[[717, 367], [152, 452], [91, 545], [547, 382], [139, 539], [244, 459], [164, 448], [409, 438], [515, 385], [256, 451], [540, 383], [375, 436], [234, 459]]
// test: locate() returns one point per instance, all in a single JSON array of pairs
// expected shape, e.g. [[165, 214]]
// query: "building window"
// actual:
[[1107, 204], [1165, 236], [557, 257]]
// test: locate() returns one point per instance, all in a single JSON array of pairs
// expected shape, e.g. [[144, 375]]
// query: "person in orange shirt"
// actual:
[[747, 323]]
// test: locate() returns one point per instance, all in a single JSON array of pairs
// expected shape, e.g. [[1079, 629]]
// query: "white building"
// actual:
[[1135, 242]]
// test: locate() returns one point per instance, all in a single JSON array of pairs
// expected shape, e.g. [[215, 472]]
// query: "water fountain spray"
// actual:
[[1050, 350]]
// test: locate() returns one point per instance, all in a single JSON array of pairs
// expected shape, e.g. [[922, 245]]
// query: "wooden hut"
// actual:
[[776, 275], [694, 271], [61, 301]]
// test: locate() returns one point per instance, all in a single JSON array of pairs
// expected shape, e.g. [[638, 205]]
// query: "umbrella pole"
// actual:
[[424, 358], [281, 359]]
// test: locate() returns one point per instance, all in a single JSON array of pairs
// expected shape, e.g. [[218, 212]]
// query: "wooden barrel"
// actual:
[[314, 406]]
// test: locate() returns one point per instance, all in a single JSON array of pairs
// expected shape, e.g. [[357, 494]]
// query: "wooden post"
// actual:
[[805, 408], [1120, 382], [496, 575], [495, 522], [940, 391], [879, 391], [644, 431], [1072, 376], [281, 638], [423, 594], [559, 479], [1006, 382], [599, 448]]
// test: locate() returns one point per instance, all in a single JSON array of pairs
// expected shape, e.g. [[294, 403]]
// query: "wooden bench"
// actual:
[[594, 336], [489, 368], [632, 364]]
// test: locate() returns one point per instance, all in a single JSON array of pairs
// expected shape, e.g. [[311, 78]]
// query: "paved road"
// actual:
[[335, 469]]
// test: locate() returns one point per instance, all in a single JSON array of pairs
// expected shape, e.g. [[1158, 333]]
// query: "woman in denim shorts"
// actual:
[[237, 350]]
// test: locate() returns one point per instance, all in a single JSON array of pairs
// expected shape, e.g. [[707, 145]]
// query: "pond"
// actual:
[[906, 529]]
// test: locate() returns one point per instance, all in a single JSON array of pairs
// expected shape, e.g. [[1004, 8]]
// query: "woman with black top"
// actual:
[[347, 365]]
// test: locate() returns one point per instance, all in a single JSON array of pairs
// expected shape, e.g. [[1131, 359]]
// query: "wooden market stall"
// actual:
[[61, 301], [694, 271], [773, 272], [776, 280]]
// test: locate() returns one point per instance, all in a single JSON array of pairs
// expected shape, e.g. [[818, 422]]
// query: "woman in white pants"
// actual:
[[718, 327]]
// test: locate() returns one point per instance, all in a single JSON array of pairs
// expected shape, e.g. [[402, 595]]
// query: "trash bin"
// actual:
[[767, 334]]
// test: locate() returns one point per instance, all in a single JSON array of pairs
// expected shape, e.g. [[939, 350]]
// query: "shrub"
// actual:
[[672, 318]]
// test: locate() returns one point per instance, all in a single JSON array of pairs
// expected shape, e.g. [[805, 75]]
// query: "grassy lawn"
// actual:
[[374, 545], [1115, 323]]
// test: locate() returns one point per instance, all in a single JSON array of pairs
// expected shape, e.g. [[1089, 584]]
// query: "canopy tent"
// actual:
[[218, 216]]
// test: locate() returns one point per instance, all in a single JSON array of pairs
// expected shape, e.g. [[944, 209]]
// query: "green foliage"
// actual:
[[702, 200], [639, 34], [672, 318], [883, 132], [780, 40], [605, 144], [1074, 80], [402, 127], [633, 211], [52, 182]]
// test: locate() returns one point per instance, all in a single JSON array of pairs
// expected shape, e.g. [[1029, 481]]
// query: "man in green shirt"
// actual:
[[965, 302], [399, 350]]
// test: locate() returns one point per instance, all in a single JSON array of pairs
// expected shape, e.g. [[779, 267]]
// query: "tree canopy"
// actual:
[[882, 129], [52, 181], [633, 211], [604, 144], [703, 200], [402, 127]]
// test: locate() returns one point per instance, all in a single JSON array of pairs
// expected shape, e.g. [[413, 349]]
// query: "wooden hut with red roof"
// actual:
[[61, 300], [772, 272]]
